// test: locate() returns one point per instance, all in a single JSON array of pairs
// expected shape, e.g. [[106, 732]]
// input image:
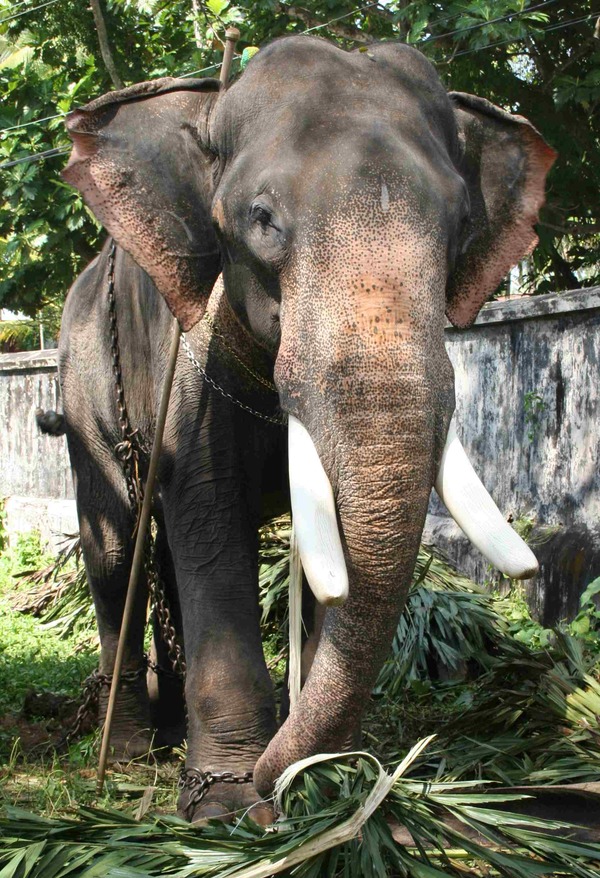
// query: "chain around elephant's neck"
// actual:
[[279, 420], [241, 366]]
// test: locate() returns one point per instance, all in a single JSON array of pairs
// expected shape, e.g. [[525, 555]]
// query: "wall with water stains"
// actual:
[[528, 409], [35, 475], [528, 406]]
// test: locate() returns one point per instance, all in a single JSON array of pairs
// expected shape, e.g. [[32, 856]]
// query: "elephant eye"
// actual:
[[261, 214]]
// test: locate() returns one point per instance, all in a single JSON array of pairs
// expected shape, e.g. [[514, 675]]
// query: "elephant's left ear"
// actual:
[[504, 162], [141, 159]]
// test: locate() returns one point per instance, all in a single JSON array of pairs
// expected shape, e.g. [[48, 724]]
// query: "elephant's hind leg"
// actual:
[[165, 685], [106, 526]]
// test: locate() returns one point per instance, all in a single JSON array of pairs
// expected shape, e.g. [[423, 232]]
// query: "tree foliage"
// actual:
[[536, 57]]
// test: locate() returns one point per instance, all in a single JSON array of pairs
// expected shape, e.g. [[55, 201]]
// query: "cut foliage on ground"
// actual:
[[337, 817], [507, 708]]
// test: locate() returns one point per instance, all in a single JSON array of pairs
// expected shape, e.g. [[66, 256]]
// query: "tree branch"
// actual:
[[345, 31], [105, 50]]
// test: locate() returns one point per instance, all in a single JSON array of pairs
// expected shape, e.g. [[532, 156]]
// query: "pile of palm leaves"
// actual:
[[448, 621], [526, 716], [59, 593], [534, 718], [340, 815]]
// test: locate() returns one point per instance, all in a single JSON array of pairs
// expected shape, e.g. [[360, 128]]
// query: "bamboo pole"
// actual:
[[231, 37]]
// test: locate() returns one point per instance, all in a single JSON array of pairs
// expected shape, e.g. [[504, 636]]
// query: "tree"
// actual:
[[537, 57]]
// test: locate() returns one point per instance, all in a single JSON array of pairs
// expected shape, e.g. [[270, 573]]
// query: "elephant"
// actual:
[[310, 228]]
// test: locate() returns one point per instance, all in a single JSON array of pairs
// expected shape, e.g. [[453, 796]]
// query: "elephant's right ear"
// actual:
[[141, 161], [504, 162]]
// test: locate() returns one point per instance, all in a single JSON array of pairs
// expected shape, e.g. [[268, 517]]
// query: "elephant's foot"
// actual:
[[223, 801], [131, 733], [167, 710], [169, 736]]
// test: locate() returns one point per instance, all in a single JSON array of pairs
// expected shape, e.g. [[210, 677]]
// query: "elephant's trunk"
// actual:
[[382, 465]]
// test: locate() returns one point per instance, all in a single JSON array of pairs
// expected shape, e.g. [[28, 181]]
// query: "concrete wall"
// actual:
[[528, 404], [35, 475], [539, 459]]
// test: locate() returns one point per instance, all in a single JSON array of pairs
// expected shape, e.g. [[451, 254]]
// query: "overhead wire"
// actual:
[[27, 11], [58, 151], [356, 11], [182, 75], [340, 17], [479, 25], [520, 39], [13, 6]]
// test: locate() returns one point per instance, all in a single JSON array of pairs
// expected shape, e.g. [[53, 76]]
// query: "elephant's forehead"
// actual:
[[302, 86]]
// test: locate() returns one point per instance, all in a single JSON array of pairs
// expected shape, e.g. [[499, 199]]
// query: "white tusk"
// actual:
[[314, 519], [475, 512]]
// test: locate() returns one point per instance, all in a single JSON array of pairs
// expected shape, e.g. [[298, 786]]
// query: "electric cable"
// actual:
[[61, 150], [519, 39], [472, 27], [27, 11]]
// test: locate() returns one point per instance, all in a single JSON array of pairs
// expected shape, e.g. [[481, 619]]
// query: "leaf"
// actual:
[[590, 592]]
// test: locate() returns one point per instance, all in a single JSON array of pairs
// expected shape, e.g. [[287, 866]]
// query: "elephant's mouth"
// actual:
[[459, 487]]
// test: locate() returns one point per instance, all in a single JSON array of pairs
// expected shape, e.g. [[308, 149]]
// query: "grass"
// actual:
[[30, 659]]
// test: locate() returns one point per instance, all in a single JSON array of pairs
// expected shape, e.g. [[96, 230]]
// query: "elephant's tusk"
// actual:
[[475, 512], [315, 521]]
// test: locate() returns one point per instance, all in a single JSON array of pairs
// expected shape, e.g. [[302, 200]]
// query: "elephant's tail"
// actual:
[[52, 423]]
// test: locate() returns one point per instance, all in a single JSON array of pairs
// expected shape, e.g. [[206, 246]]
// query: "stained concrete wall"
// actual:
[[528, 410], [35, 475], [541, 461]]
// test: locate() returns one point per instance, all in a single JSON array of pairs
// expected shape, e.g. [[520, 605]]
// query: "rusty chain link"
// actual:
[[130, 448], [199, 782], [91, 696], [160, 605]]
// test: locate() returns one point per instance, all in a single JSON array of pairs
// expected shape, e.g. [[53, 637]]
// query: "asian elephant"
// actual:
[[350, 203]]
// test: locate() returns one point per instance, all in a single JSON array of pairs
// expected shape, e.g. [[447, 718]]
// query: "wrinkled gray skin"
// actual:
[[351, 204]]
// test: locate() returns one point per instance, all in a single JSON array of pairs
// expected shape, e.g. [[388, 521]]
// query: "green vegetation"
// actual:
[[30, 659], [324, 803], [536, 58], [506, 700]]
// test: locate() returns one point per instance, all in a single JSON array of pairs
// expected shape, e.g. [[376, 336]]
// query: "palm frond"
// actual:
[[534, 718], [59, 593], [338, 816]]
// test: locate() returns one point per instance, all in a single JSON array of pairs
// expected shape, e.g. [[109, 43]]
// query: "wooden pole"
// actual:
[[138, 552], [231, 36]]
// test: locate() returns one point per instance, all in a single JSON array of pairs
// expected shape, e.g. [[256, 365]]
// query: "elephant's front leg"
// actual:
[[212, 505]]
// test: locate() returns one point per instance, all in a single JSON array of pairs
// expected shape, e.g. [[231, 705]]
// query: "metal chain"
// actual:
[[279, 420], [91, 696], [211, 323], [128, 452], [199, 782], [160, 605], [129, 448]]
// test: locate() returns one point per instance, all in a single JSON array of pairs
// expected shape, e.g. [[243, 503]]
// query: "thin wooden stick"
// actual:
[[138, 552], [231, 37], [295, 621]]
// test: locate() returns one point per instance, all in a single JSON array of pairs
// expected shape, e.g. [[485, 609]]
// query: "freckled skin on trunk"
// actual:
[[374, 388], [381, 526]]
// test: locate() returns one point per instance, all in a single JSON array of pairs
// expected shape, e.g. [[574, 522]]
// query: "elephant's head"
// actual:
[[351, 203]]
